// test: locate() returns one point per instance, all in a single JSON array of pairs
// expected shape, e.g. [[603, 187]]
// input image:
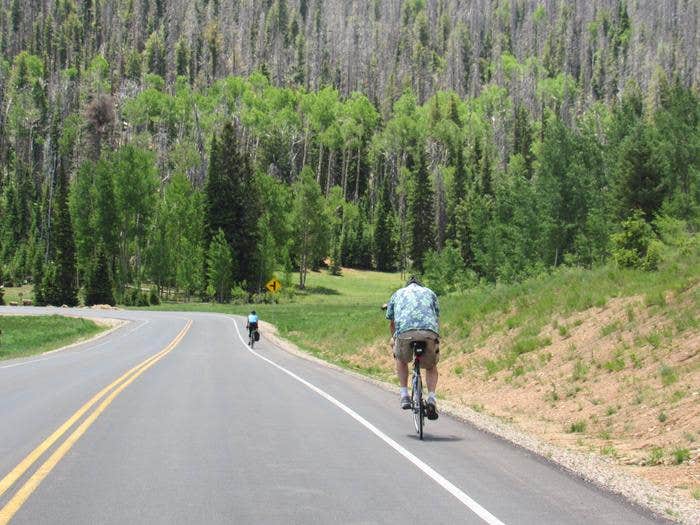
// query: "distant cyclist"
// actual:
[[252, 324], [415, 316]]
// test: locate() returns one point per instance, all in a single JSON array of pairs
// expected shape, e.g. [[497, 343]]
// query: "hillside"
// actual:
[[378, 47]]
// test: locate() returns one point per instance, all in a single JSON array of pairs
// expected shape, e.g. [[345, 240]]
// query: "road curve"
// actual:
[[196, 428]]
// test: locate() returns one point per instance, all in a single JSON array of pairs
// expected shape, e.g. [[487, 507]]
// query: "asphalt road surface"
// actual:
[[172, 419]]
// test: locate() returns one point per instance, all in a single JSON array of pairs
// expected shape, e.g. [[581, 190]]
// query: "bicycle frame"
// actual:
[[417, 404]]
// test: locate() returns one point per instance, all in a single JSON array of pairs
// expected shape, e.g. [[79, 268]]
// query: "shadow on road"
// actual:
[[428, 437]]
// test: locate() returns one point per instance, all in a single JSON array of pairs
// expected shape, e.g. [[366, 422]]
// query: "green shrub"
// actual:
[[264, 298], [577, 427], [580, 371], [239, 295], [668, 375], [154, 297], [681, 455], [446, 272], [608, 450], [656, 456], [616, 364], [142, 299], [636, 246]]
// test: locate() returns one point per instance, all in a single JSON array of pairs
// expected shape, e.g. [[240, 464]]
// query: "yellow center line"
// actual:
[[11, 508], [28, 461]]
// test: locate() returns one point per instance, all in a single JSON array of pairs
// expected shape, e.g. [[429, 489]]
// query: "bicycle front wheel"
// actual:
[[417, 401]]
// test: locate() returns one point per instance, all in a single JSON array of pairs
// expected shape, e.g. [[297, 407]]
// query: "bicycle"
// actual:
[[417, 402], [252, 337]]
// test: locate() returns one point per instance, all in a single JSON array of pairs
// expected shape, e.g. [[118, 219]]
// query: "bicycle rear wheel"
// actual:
[[417, 401]]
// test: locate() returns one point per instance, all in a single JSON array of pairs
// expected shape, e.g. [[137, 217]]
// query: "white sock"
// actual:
[[431, 395], [404, 391]]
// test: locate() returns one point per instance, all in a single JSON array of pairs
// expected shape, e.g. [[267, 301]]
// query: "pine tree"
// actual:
[[50, 292], [422, 215], [233, 204], [38, 275], [522, 135], [99, 288], [63, 290], [642, 173], [457, 191]]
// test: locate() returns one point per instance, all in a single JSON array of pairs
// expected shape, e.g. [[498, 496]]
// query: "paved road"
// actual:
[[210, 432]]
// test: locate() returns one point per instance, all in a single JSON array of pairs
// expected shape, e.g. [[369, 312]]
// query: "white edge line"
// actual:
[[58, 353], [427, 469]]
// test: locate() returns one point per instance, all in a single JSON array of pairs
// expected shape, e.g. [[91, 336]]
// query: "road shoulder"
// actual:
[[592, 468]]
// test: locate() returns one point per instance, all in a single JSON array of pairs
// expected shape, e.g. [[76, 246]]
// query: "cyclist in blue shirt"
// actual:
[[414, 315], [252, 323]]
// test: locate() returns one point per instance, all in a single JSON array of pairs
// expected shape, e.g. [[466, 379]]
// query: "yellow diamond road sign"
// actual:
[[274, 285]]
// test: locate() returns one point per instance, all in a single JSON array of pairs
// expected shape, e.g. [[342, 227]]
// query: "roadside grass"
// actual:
[[539, 301], [333, 318], [27, 335], [17, 293]]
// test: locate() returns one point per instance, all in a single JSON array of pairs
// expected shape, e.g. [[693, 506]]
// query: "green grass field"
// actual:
[[27, 335], [333, 317], [18, 293]]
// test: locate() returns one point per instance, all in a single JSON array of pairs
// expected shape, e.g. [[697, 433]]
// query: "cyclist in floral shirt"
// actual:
[[414, 314]]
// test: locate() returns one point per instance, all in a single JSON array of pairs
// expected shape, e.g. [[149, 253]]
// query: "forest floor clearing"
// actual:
[[17, 294], [25, 335], [603, 361]]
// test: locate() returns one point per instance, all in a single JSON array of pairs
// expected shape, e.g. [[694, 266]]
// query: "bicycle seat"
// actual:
[[418, 347]]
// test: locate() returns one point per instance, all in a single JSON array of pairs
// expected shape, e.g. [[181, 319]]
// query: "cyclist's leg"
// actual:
[[431, 378], [402, 372], [403, 353]]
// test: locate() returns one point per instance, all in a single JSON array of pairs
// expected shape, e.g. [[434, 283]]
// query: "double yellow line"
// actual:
[[12, 506]]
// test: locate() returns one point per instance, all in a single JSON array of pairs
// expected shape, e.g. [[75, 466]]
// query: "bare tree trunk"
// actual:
[[357, 175], [306, 147], [329, 174], [320, 159], [345, 174]]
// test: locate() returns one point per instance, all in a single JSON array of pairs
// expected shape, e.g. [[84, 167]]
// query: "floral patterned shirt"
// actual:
[[414, 308]]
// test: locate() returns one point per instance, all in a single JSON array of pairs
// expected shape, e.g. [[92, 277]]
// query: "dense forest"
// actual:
[[199, 146]]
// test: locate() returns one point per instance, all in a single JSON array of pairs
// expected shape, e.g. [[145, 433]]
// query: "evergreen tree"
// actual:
[[50, 293], [457, 191], [642, 172], [421, 215], [99, 288], [38, 276], [233, 204], [522, 135], [63, 247]]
